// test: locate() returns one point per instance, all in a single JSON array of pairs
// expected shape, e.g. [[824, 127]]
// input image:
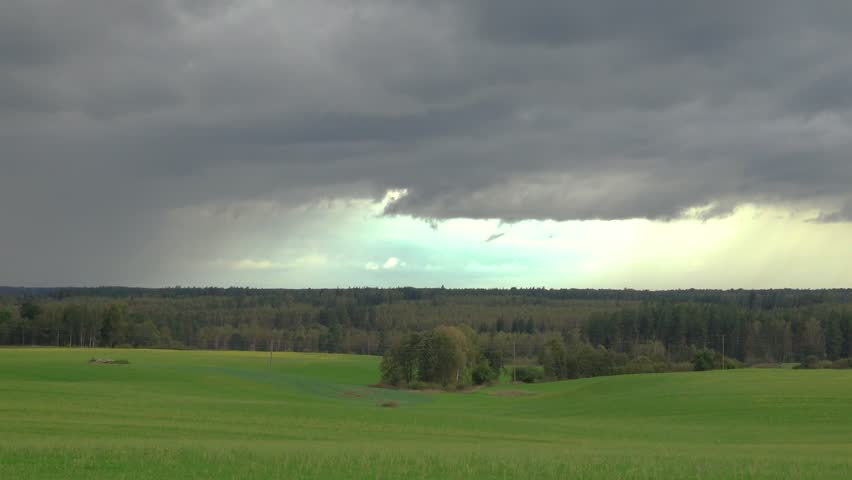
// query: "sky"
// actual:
[[467, 143]]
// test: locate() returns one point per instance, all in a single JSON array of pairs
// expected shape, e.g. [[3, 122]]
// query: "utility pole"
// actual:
[[514, 362], [270, 354]]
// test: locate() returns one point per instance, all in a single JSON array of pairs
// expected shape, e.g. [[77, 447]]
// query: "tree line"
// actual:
[[751, 326]]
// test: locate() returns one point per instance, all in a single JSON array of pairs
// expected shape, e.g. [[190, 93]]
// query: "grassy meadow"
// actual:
[[202, 414]]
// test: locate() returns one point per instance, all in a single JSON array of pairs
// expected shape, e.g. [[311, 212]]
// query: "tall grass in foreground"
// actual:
[[194, 464]]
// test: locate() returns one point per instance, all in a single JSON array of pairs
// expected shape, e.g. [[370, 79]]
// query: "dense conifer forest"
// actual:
[[751, 326]]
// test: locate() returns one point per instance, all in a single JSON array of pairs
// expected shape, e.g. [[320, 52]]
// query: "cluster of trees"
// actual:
[[751, 326], [576, 358], [752, 335], [445, 355], [85, 324], [455, 356]]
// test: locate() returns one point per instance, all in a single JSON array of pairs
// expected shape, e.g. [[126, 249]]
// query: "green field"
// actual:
[[199, 414]]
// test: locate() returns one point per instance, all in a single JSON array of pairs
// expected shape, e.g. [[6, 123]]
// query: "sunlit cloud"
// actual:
[[250, 264], [391, 263]]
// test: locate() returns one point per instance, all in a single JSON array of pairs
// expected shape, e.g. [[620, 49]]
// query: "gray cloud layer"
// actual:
[[112, 111]]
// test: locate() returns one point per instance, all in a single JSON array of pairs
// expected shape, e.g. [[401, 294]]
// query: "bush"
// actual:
[[654, 351], [681, 367], [708, 359], [704, 359], [812, 362], [528, 374], [641, 364], [171, 345], [840, 363], [390, 404], [766, 365], [733, 363], [586, 361], [483, 373]]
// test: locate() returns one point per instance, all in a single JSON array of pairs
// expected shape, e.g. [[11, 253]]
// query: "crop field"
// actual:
[[200, 414]]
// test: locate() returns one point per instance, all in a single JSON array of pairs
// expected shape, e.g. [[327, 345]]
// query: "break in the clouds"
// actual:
[[127, 126]]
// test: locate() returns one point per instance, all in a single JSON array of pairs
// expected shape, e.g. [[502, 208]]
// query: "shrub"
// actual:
[[390, 404], [766, 365], [704, 359], [733, 363], [708, 359], [483, 373], [646, 365], [840, 363], [171, 345], [810, 362], [586, 361], [654, 351], [641, 364], [528, 374], [681, 367]]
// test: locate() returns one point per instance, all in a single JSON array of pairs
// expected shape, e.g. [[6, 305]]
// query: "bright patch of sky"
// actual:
[[350, 243]]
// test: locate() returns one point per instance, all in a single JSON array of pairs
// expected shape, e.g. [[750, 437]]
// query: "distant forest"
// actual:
[[752, 326]]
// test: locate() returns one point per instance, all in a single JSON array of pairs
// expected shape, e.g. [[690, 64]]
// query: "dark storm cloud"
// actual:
[[112, 112], [842, 214], [494, 236], [698, 26]]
